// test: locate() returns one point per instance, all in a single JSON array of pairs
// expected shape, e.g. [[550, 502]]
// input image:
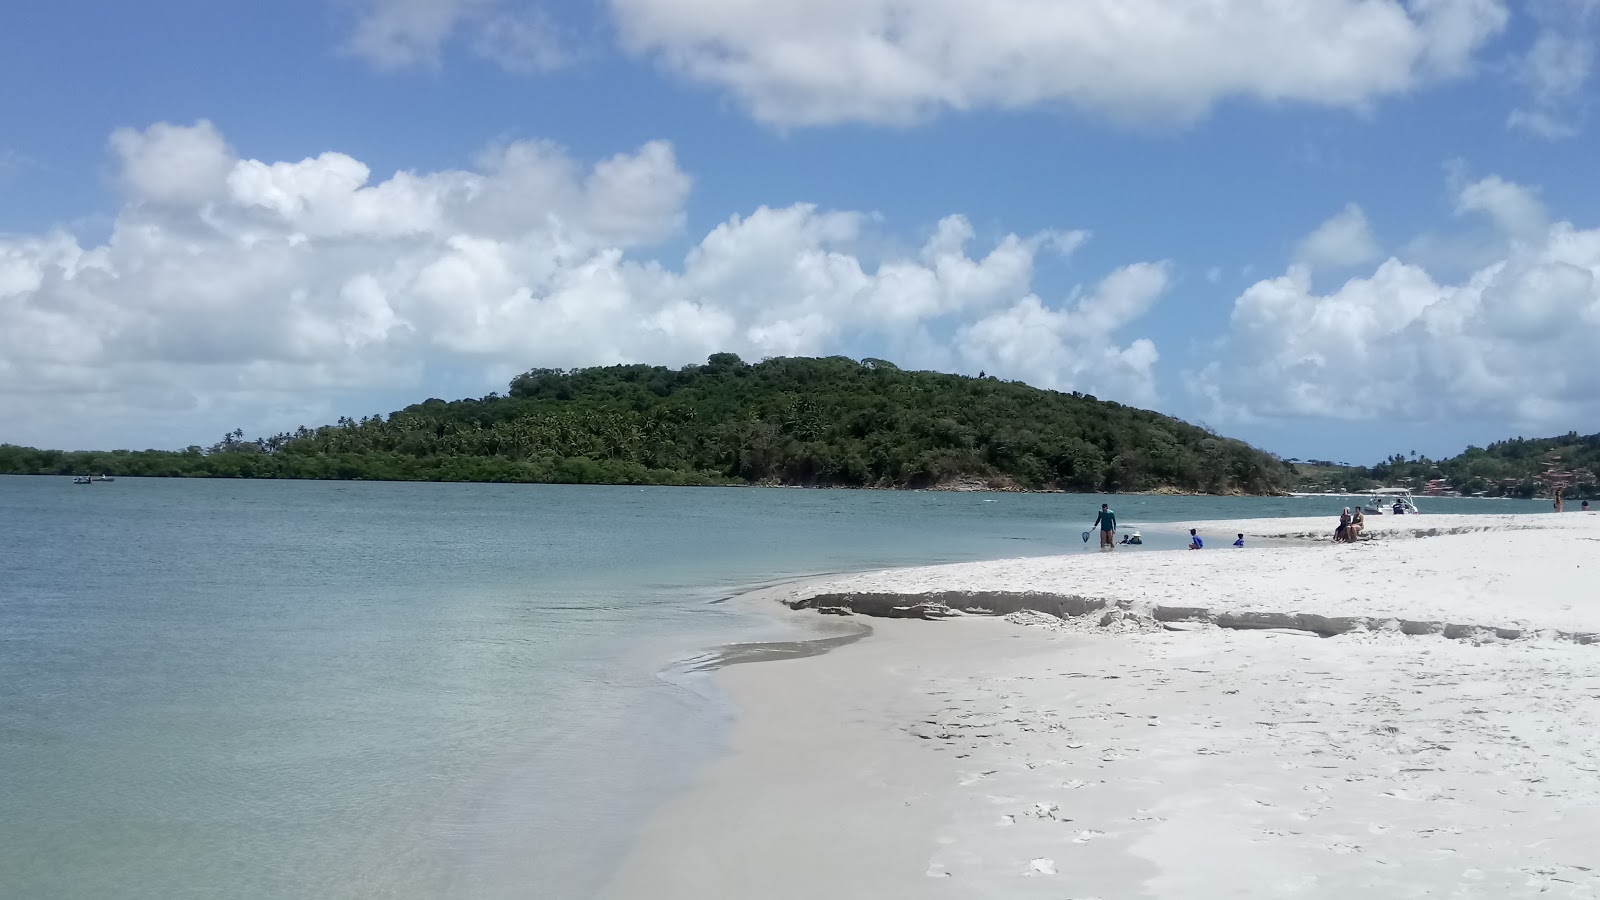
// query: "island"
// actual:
[[814, 422]]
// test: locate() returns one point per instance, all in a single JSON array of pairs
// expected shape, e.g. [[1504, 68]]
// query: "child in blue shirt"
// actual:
[[1194, 541]]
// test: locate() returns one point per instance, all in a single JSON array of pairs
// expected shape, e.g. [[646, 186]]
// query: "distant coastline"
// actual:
[[801, 422], [956, 487], [834, 422]]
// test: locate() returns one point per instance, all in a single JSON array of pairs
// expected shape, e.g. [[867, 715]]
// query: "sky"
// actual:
[[1338, 229]]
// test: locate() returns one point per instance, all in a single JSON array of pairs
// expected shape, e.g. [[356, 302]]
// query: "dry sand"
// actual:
[[1036, 757]]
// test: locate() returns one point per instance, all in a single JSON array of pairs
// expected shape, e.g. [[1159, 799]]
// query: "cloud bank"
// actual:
[[813, 62], [1514, 341], [1162, 62], [232, 287]]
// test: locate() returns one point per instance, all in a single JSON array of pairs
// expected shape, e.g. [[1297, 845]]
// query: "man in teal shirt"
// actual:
[[1107, 520]]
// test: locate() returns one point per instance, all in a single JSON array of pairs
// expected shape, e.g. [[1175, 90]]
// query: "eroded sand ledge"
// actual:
[[1499, 577], [1108, 613], [975, 757]]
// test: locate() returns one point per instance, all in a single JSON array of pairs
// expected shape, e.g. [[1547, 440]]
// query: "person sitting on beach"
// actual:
[[1239, 542], [1107, 520], [1358, 521], [1194, 541], [1342, 533]]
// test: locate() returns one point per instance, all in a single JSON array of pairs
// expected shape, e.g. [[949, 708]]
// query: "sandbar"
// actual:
[[1414, 716]]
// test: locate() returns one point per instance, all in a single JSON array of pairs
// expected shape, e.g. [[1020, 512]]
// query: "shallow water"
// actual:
[[295, 689]]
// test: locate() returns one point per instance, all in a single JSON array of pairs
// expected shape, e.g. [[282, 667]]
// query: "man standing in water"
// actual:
[[1107, 520]]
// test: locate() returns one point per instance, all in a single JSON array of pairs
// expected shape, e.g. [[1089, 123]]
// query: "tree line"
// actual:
[[829, 422], [1518, 467]]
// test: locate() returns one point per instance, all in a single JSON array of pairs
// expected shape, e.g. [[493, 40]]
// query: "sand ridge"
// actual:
[[1522, 573]]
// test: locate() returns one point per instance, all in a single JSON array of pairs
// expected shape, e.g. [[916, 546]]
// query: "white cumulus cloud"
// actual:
[[1075, 344], [236, 291], [803, 62], [1342, 241], [172, 164], [1513, 340]]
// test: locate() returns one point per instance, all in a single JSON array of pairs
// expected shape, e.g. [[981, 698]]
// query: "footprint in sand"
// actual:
[[974, 779], [1042, 867], [1085, 837], [1076, 783], [1007, 820]]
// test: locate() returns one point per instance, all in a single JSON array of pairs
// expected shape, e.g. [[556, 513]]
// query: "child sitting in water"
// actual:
[[1194, 541], [1239, 542]]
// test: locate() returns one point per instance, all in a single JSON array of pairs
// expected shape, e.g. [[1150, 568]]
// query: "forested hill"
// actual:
[[1519, 467], [826, 422]]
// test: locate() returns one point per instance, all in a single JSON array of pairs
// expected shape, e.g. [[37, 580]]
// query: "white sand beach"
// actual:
[[1415, 716]]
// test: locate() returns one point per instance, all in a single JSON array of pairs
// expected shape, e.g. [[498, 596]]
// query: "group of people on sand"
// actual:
[[1351, 524], [1106, 521]]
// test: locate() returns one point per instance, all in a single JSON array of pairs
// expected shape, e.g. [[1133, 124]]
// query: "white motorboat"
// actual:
[[1388, 501]]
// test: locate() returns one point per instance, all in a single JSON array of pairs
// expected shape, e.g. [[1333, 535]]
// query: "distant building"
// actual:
[[1438, 487]]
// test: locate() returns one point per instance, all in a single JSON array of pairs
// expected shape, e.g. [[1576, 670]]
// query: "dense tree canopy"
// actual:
[[1519, 467], [824, 422]]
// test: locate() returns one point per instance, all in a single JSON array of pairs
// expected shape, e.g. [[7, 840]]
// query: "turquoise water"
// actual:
[[306, 689]]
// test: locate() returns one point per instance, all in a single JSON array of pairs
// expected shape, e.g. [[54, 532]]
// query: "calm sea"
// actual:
[[306, 689]]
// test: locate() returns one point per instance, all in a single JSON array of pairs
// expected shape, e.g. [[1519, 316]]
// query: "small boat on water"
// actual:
[[1392, 501], [102, 478], [83, 479]]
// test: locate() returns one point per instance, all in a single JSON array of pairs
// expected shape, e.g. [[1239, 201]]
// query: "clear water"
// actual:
[[298, 689]]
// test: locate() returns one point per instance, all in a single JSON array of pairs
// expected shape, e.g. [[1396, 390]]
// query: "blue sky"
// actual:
[[1336, 229]]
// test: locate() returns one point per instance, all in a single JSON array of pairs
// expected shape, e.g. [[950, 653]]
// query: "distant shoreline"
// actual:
[[949, 488]]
